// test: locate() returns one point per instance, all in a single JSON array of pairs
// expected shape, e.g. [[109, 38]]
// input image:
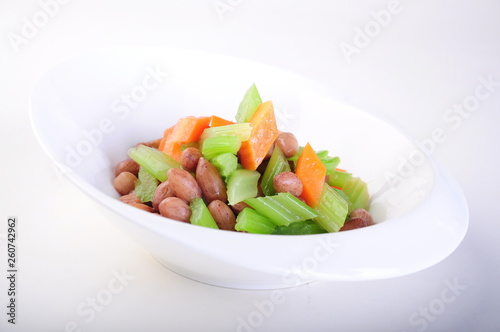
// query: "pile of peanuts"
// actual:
[[198, 178]]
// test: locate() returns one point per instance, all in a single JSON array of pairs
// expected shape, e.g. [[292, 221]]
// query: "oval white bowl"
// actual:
[[89, 109]]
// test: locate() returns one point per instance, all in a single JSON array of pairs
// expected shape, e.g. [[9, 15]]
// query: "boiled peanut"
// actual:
[[223, 215], [152, 144], [175, 208], [288, 182], [183, 184], [288, 143], [163, 191], [210, 181], [127, 165], [189, 158], [124, 183], [363, 214], [354, 223], [142, 206], [130, 198], [238, 207]]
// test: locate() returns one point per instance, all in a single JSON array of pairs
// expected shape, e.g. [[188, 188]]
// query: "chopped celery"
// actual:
[[241, 185], [226, 163], [332, 209], [242, 130], [299, 228], [155, 162], [283, 208], [145, 185], [277, 164], [338, 179], [357, 192], [200, 215], [252, 221], [216, 145], [330, 163], [249, 104]]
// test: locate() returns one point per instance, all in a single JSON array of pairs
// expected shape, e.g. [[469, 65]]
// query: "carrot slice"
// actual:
[[166, 135], [219, 122], [264, 133], [186, 130], [311, 172]]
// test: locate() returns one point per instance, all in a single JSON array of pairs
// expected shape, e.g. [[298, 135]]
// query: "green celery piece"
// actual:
[[241, 185], [226, 163], [332, 209], [283, 208], [252, 221], [190, 145], [338, 178], [357, 192], [242, 130], [277, 164], [299, 228], [217, 145], [249, 104], [200, 215], [155, 162], [145, 185]]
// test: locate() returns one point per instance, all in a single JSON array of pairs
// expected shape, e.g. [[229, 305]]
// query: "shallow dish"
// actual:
[[87, 110]]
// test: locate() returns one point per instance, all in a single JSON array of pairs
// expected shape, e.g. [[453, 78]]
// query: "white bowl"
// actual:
[[89, 109]]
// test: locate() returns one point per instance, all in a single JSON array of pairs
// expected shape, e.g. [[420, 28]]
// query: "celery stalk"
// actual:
[[249, 104], [200, 215], [283, 208], [217, 145], [145, 185], [277, 164], [252, 221], [338, 179], [332, 210], [242, 130], [155, 162], [241, 185], [299, 228], [357, 192], [226, 163]]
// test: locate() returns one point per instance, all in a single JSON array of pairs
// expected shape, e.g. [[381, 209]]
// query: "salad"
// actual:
[[244, 175]]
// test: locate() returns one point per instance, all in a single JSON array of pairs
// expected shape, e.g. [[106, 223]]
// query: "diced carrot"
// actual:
[[311, 172], [264, 133], [218, 122], [166, 135], [341, 170], [189, 129], [186, 130]]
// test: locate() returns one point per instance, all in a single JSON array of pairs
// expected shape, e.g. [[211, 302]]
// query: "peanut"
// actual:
[[363, 214], [162, 191], [130, 198], [354, 223], [223, 215], [142, 206], [238, 207], [127, 165], [288, 143], [288, 182], [124, 183], [189, 158], [183, 184], [210, 181], [175, 208], [152, 144]]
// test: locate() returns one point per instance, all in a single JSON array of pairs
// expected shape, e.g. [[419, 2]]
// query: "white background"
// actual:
[[425, 58]]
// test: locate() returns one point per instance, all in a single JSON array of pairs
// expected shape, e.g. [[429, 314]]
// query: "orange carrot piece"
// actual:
[[189, 129], [166, 135], [311, 172], [264, 133], [219, 122], [186, 130]]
